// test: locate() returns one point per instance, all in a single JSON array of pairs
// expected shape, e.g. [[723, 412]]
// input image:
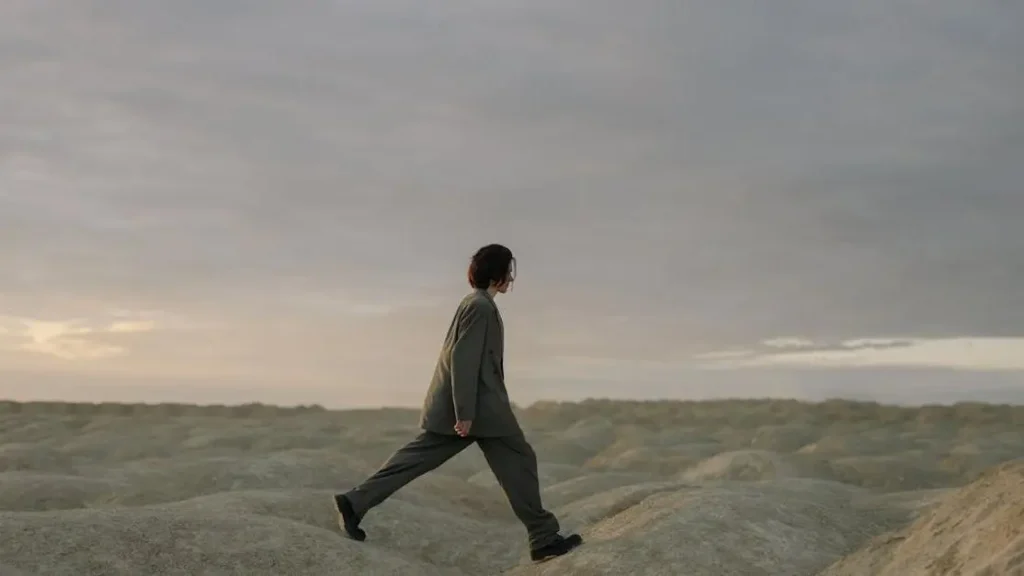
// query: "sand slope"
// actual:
[[715, 488], [976, 530]]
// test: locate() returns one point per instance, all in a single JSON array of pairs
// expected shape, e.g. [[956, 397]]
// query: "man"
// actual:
[[467, 403]]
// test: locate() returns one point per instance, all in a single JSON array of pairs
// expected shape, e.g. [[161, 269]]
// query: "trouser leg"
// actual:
[[514, 464], [426, 452]]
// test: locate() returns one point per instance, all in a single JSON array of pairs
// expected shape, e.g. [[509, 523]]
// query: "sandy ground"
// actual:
[[661, 488]]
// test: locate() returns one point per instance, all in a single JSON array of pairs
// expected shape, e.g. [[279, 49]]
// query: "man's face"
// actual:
[[509, 279]]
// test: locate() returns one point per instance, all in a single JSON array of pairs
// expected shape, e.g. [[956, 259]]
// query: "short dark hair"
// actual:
[[493, 263]]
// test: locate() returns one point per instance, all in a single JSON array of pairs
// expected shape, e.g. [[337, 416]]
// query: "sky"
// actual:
[[265, 201]]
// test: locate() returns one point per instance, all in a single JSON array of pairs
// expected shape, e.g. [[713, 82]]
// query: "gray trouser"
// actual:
[[511, 458]]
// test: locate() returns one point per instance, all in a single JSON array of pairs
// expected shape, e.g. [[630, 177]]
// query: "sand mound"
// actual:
[[166, 541], [796, 527], [30, 457], [580, 487], [730, 487], [645, 455], [896, 472], [169, 480], [789, 438], [562, 450], [414, 531], [976, 530], [29, 491], [598, 506], [752, 465], [592, 434], [548, 473]]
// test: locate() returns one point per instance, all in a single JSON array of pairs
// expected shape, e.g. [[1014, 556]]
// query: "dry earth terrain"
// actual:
[[656, 488]]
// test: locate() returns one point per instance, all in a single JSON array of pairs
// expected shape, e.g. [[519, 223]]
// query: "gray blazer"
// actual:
[[469, 379]]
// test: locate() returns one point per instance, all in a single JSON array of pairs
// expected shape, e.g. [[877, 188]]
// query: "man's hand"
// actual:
[[462, 427]]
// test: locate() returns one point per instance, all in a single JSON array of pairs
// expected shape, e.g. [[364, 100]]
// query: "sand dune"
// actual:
[[978, 529], [656, 488]]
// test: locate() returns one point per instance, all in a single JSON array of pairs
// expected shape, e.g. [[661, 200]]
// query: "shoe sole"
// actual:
[[341, 520], [551, 557]]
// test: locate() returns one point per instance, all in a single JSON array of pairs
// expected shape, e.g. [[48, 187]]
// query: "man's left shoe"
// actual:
[[560, 547], [347, 519]]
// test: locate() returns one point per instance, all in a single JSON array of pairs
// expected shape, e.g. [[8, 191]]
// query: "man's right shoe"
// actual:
[[347, 519], [557, 548]]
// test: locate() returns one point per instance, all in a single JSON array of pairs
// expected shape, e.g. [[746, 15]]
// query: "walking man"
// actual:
[[466, 404]]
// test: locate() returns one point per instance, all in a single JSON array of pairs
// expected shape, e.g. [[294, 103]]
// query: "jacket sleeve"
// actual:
[[467, 355]]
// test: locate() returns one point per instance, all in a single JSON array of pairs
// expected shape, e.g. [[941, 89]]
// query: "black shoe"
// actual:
[[557, 548], [347, 519]]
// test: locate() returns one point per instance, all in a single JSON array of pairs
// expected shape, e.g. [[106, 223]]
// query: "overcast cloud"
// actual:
[[285, 194]]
